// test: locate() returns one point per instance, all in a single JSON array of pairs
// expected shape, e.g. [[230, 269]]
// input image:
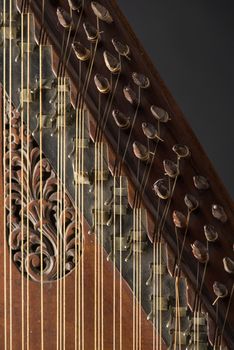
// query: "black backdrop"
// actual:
[[191, 43]]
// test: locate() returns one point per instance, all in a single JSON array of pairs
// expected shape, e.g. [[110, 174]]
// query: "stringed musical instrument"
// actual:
[[116, 231]]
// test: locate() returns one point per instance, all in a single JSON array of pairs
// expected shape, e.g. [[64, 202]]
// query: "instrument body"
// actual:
[[141, 153]]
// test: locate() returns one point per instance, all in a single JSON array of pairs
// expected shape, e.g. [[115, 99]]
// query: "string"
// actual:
[[114, 262], [134, 283], [157, 301], [99, 243], [79, 289], [119, 164], [82, 226], [176, 274], [64, 213], [75, 34], [80, 145], [140, 293], [61, 55], [147, 171], [160, 292], [167, 207], [138, 276], [227, 312], [82, 96], [28, 187], [62, 123], [216, 328], [41, 180], [10, 174], [95, 250], [22, 183], [184, 239], [79, 103], [157, 285], [97, 138], [77, 169], [99, 247], [102, 245], [41, 199], [79, 127], [197, 308], [100, 128], [61, 66], [98, 251], [137, 279], [76, 225], [154, 293], [58, 232], [60, 211], [4, 174], [120, 287]]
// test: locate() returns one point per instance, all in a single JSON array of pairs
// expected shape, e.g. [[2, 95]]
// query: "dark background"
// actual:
[[191, 43]]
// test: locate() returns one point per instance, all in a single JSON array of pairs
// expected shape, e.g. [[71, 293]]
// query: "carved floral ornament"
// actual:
[[60, 238]]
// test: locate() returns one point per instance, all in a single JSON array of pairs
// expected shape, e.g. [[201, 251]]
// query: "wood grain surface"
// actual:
[[177, 131], [50, 300]]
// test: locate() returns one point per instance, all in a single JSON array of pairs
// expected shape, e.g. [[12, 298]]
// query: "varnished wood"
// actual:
[[178, 131], [50, 290]]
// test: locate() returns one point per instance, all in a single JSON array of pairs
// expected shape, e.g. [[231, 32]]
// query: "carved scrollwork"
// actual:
[[29, 213]]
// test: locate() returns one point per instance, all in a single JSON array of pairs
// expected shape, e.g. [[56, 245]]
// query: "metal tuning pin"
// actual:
[[122, 49], [83, 177], [82, 53], [102, 84], [91, 32], [178, 305], [141, 151], [137, 242], [101, 12], [119, 206], [119, 244], [198, 330], [79, 144], [75, 5], [158, 268], [160, 114], [191, 202], [140, 80], [182, 151], [219, 213], [179, 219], [101, 218], [112, 63], [228, 264], [64, 18], [171, 168], [161, 189], [26, 96], [163, 305], [200, 252], [122, 121], [130, 95], [151, 132], [210, 233], [220, 290], [5, 27], [201, 182], [46, 123], [58, 123]]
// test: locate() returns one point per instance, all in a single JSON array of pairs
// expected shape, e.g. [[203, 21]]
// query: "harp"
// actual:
[[116, 231]]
